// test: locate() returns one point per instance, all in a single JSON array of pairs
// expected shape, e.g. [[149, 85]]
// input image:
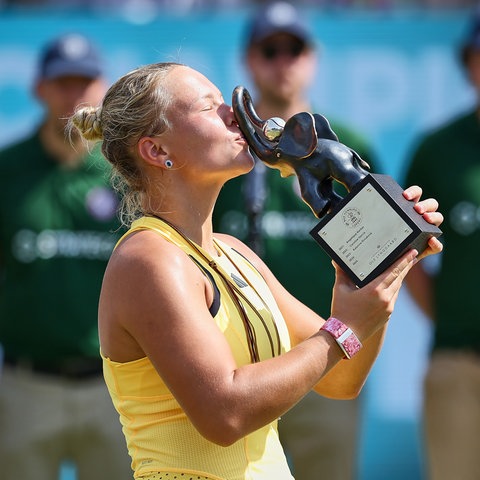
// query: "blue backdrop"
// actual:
[[389, 75]]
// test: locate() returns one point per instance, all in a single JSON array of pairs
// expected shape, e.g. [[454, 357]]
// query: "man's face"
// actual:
[[61, 95], [281, 67]]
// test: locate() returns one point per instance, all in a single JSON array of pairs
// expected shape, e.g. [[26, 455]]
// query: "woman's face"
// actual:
[[204, 134]]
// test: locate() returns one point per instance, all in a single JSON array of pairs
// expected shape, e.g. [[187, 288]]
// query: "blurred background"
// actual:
[[387, 67]]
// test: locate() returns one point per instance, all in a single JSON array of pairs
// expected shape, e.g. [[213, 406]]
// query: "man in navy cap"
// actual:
[[280, 53], [448, 294], [58, 226]]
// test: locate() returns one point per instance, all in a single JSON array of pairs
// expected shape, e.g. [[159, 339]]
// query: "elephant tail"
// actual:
[[363, 164]]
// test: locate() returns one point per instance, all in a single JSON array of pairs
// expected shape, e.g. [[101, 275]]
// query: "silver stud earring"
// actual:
[[168, 163]]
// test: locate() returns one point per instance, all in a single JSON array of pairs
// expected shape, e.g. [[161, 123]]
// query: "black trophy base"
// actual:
[[371, 228]]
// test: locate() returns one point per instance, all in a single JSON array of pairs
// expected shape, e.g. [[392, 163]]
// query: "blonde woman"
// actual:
[[203, 349]]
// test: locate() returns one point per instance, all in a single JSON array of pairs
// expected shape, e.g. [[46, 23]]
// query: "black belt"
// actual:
[[73, 369]]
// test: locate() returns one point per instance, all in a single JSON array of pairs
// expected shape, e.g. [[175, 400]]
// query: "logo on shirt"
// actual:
[[101, 203], [28, 246], [239, 281]]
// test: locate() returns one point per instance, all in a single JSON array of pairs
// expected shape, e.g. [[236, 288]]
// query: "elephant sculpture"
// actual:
[[305, 146]]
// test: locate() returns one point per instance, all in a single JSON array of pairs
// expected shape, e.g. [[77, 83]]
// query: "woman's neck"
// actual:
[[190, 219]]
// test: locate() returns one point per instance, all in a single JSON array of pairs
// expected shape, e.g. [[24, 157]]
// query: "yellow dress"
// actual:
[[161, 440]]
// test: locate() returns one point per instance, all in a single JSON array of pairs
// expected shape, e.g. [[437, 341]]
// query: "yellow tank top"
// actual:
[[160, 437]]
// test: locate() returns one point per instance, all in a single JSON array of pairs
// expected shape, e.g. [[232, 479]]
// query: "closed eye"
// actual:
[[212, 103]]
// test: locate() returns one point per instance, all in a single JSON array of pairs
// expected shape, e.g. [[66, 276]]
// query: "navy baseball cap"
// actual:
[[71, 54], [277, 17]]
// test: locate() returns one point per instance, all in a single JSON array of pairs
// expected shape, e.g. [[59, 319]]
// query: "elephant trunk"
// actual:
[[252, 126]]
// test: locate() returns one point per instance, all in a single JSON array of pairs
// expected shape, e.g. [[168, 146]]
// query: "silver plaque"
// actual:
[[365, 231], [372, 227]]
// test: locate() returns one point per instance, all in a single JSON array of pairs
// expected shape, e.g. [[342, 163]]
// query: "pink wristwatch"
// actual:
[[343, 335]]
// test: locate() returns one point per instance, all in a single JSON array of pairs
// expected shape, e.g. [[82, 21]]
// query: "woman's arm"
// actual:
[[155, 301], [366, 311], [361, 309]]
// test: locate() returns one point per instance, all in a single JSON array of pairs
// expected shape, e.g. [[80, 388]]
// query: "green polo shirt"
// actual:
[[446, 164], [58, 226]]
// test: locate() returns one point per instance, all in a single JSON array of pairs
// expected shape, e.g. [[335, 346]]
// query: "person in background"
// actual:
[[58, 226], [203, 348], [268, 212], [451, 410]]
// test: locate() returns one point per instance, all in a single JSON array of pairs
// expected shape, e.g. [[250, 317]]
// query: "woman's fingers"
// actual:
[[369, 307], [435, 218], [413, 193], [397, 272], [427, 205], [434, 246]]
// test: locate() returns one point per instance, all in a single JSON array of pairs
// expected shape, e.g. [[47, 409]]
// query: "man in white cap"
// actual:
[[58, 226], [320, 435]]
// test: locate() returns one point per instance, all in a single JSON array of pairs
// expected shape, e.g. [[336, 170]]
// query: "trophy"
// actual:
[[365, 231]]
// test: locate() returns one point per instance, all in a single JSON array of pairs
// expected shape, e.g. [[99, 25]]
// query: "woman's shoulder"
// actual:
[[144, 251]]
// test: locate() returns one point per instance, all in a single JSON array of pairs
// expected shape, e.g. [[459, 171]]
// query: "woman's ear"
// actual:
[[150, 149]]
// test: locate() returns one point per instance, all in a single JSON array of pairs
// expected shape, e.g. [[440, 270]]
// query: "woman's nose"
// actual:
[[229, 115]]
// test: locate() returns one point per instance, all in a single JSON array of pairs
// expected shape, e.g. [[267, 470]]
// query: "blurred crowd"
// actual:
[[190, 6]]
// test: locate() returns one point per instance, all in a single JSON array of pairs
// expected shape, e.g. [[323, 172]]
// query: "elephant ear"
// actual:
[[324, 130], [299, 137]]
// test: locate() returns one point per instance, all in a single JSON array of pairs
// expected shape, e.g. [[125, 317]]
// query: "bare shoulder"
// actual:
[[144, 250], [146, 275], [141, 259]]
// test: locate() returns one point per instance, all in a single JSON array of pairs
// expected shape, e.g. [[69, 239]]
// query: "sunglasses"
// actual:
[[291, 49]]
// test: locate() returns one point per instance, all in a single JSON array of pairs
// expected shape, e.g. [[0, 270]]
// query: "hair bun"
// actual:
[[87, 120]]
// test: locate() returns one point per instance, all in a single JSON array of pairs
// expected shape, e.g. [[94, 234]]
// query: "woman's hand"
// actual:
[[365, 310], [428, 209]]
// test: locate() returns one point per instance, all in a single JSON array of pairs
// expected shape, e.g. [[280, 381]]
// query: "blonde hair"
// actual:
[[134, 106]]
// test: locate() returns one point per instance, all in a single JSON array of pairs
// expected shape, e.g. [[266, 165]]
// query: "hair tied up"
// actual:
[[87, 120]]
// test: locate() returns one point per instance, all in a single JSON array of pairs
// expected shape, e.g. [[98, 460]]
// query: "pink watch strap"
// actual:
[[343, 335]]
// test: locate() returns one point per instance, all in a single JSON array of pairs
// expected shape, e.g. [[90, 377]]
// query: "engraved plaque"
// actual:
[[371, 228]]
